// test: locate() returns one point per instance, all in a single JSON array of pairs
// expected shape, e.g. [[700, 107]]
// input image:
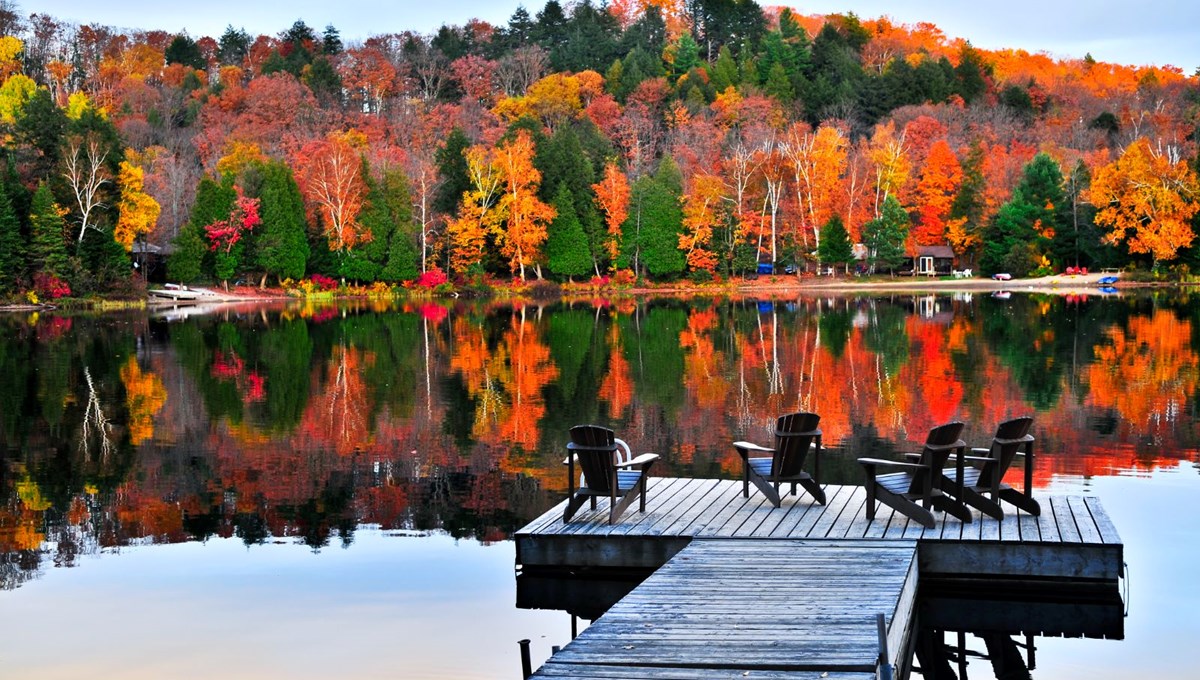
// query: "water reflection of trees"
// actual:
[[301, 425]]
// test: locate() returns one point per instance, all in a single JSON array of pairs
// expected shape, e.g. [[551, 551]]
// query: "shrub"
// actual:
[[544, 290], [624, 278], [322, 282], [433, 278], [50, 287]]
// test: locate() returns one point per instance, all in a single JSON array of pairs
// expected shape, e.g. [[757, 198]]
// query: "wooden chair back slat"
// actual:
[[595, 447], [794, 434]]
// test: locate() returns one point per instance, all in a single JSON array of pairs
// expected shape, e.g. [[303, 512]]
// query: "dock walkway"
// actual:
[[785, 609]]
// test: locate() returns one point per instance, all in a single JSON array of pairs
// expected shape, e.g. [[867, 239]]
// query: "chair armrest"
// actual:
[[954, 457], [747, 446], [892, 463], [641, 461], [985, 451]]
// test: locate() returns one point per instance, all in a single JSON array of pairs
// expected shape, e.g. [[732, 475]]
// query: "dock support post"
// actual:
[[526, 664], [885, 667]]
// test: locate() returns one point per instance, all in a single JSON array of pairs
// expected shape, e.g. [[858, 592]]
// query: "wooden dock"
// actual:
[[1073, 540], [785, 609]]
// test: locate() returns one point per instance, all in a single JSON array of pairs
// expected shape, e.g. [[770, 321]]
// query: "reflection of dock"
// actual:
[[1073, 543]]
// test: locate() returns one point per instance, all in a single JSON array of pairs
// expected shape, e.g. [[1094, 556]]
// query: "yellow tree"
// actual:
[[817, 160], [138, 211], [701, 212], [612, 195], [525, 216], [476, 214], [1147, 198], [890, 161]]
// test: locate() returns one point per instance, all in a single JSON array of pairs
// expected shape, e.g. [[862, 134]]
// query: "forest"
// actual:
[[633, 140]]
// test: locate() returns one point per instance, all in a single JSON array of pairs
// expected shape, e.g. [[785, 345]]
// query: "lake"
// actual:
[[304, 491]]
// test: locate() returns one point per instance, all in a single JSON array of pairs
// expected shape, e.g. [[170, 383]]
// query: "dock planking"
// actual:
[[1072, 539], [702, 614]]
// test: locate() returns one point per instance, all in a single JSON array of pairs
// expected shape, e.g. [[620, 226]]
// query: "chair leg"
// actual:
[[1022, 501], [871, 500], [814, 489], [769, 490], [573, 504], [642, 493]]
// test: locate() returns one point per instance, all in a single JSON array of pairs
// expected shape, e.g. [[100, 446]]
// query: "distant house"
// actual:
[[934, 260]]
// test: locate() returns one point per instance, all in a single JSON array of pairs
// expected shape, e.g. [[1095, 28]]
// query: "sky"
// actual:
[[1158, 32]]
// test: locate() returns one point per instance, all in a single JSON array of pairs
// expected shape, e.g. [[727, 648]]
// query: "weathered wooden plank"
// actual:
[[722, 518], [1088, 531], [564, 671], [801, 514], [689, 503], [1027, 527], [699, 615], [1108, 531], [989, 527], [1065, 521], [857, 524], [829, 517], [804, 528], [1047, 526]]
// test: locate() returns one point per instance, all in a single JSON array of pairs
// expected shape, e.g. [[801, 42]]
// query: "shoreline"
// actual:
[[1059, 284]]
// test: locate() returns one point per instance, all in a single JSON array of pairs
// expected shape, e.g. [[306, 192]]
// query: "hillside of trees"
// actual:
[[656, 139]]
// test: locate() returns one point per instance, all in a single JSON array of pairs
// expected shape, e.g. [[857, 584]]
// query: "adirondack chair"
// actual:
[[987, 467], [606, 472], [795, 434], [917, 486]]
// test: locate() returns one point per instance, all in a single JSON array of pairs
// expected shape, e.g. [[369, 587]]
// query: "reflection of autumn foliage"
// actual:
[[506, 382], [337, 417], [1146, 372], [144, 397], [617, 386], [229, 367]]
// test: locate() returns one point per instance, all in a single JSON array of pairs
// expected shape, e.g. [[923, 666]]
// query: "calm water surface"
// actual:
[[329, 492]]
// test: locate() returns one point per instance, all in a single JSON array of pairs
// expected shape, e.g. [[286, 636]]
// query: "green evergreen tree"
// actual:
[[724, 73], [590, 40], [38, 134], [687, 54], [970, 201], [12, 261], [104, 261], [184, 50], [884, 236], [192, 258], [48, 248], [566, 244], [185, 263], [282, 246], [452, 169], [835, 245], [651, 233]]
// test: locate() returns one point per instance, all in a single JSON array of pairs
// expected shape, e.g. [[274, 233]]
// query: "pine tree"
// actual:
[[12, 264], [651, 234], [282, 246], [835, 245], [48, 250], [884, 236], [452, 169], [566, 245]]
